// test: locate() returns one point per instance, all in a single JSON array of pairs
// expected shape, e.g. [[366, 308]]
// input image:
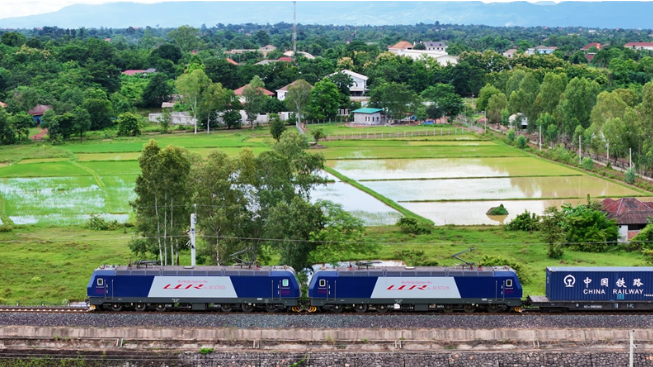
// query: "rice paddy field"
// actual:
[[48, 192], [452, 178]]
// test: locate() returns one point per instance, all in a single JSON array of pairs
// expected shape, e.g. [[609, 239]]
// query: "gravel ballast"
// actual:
[[326, 321]]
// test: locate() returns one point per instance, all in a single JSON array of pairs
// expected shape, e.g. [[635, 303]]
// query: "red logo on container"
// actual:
[[181, 286], [407, 288]]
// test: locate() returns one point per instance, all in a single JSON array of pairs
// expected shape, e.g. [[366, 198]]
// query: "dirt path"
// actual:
[[40, 135]]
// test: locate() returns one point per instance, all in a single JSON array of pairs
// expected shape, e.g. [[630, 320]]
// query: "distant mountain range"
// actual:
[[615, 14]]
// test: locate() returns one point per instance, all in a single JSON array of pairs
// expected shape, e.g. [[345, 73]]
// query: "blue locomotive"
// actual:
[[142, 287], [469, 289]]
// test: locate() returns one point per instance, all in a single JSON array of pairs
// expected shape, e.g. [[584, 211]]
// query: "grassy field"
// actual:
[[332, 129], [53, 264]]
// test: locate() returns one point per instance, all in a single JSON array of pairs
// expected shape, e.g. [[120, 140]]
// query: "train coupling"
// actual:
[[304, 308], [518, 309]]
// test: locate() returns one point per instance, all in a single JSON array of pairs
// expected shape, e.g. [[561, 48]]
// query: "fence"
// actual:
[[400, 134]]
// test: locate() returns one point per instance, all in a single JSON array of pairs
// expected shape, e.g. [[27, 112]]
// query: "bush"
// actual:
[[35, 280], [555, 251], [498, 210], [97, 223], [630, 176], [129, 125], [414, 258], [502, 261], [205, 351], [521, 141], [414, 226], [587, 163], [511, 136], [643, 240], [525, 221], [6, 228]]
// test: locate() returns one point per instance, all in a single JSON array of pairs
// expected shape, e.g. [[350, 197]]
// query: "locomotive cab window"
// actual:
[[322, 282], [100, 282], [284, 283], [509, 283]]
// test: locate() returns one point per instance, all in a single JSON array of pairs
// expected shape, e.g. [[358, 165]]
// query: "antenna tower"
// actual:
[[294, 28]]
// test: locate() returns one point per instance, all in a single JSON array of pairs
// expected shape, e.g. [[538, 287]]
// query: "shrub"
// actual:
[[498, 210], [587, 163], [97, 223], [414, 258], [525, 221], [6, 228], [129, 125], [630, 176], [414, 226], [502, 261], [643, 240], [205, 351], [521, 141], [35, 280], [511, 135], [555, 251]]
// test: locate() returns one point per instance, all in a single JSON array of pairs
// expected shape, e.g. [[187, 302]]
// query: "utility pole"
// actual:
[[540, 137], [607, 154], [294, 29], [630, 158], [485, 117], [193, 220], [632, 348]]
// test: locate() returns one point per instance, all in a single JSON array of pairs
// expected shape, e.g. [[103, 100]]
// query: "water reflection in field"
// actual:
[[383, 169], [500, 188], [356, 202]]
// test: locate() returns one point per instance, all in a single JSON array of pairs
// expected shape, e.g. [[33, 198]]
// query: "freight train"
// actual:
[[469, 289]]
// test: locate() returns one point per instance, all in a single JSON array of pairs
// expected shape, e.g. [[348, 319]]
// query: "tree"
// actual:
[[161, 194], [7, 132], [255, 99], [445, 99], [100, 109], [157, 91], [577, 103], [395, 98], [340, 238], [81, 122], [128, 125], [344, 82], [185, 37], [324, 100], [168, 52], [495, 105], [608, 106], [214, 101], [318, 134], [165, 120], [21, 123], [191, 87], [588, 228], [277, 127], [13, 39], [484, 97], [552, 231], [232, 119], [550, 94], [298, 98], [60, 126]]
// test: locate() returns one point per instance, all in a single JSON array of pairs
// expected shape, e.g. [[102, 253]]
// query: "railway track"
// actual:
[[525, 312], [42, 309]]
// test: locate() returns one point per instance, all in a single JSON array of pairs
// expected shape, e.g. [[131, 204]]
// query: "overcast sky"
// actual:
[[17, 8]]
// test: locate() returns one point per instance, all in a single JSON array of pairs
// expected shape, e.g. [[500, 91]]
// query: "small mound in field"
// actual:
[[497, 210]]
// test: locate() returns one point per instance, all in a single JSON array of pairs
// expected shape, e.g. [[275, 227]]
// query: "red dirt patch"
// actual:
[[40, 135]]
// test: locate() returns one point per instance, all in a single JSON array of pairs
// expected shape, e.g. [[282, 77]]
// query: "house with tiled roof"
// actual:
[[400, 46], [133, 72], [265, 49], [231, 61], [631, 215], [510, 53], [639, 45], [590, 45], [38, 111], [241, 96]]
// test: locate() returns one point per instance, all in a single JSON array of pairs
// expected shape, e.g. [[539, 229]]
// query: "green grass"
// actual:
[[13, 153], [331, 129], [53, 169], [527, 249], [113, 168], [64, 257], [382, 150]]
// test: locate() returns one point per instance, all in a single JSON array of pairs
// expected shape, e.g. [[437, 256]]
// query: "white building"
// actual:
[[639, 45], [442, 57], [369, 116], [359, 87], [178, 118], [283, 92]]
